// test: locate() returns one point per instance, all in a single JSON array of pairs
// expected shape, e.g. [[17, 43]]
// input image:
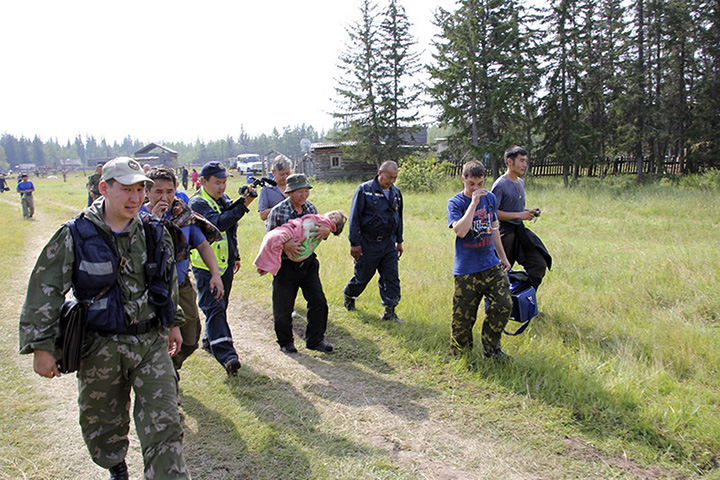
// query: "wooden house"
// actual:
[[328, 162], [156, 154]]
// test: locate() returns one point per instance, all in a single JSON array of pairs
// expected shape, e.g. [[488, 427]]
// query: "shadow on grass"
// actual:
[[268, 415], [279, 435], [364, 353], [560, 382], [348, 384]]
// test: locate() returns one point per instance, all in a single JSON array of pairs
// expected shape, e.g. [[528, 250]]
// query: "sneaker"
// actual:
[[321, 347], [288, 348], [390, 315], [349, 304], [232, 366], [119, 471]]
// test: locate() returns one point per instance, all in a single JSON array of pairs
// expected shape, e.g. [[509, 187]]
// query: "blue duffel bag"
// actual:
[[524, 300]]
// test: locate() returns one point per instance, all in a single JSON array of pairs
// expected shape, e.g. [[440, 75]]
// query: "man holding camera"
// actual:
[[212, 203], [520, 243], [271, 195]]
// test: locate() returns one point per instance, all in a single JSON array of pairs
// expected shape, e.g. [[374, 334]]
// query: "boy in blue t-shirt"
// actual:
[[480, 265]]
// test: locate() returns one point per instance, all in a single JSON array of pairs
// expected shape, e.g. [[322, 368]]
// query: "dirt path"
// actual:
[[60, 432], [369, 405]]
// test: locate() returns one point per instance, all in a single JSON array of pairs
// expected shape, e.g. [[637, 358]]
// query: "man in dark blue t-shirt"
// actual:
[[480, 265]]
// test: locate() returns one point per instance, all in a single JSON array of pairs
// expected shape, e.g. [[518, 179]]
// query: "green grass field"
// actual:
[[626, 357]]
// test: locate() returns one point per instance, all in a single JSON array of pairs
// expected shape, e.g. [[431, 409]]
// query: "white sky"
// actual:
[[176, 70]]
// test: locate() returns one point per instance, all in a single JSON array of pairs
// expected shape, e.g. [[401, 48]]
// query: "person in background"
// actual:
[[376, 239], [26, 189], [194, 179], [293, 275], [184, 177], [271, 195], [101, 254], [479, 267], [93, 183], [163, 203], [3, 184], [216, 207], [520, 243]]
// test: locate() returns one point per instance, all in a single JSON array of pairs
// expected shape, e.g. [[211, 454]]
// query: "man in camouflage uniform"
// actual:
[[132, 352], [93, 184], [480, 265]]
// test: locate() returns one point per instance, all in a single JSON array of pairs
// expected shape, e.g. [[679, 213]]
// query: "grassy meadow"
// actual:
[[625, 358]]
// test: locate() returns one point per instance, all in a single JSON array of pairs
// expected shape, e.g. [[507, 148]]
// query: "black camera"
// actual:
[[258, 182], [537, 212]]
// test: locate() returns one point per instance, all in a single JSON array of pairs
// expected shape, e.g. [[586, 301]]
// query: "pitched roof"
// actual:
[[151, 146]]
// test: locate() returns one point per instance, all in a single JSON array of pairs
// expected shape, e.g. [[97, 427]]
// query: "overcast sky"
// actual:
[[176, 70]]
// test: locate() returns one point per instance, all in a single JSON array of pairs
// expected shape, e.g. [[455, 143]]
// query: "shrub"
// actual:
[[420, 173]]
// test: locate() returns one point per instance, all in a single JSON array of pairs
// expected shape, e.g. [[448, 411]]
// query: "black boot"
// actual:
[[119, 471], [390, 315], [349, 304]]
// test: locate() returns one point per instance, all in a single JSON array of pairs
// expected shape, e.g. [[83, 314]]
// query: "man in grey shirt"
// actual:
[[271, 195], [520, 243]]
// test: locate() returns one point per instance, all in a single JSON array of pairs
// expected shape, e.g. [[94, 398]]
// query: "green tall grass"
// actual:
[[628, 349]]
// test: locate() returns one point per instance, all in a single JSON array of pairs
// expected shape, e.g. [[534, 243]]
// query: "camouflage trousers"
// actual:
[[28, 206], [492, 284], [113, 366], [187, 298]]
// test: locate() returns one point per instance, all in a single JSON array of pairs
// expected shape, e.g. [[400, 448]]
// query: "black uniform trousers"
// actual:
[[306, 276], [526, 254], [381, 257]]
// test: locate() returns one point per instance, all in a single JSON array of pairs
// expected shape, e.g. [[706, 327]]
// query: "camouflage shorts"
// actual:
[[492, 284]]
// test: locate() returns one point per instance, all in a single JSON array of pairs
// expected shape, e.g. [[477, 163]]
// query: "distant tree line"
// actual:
[[581, 82], [18, 151]]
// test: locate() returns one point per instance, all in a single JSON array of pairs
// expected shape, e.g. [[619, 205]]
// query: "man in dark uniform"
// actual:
[[376, 239]]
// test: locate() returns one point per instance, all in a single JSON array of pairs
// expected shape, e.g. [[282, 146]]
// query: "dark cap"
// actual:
[[214, 169], [296, 181]]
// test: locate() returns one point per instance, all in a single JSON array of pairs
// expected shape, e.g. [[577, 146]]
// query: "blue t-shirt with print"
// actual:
[[476, 251]]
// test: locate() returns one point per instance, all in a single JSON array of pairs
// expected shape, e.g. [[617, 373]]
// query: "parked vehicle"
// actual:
[[247, 162]]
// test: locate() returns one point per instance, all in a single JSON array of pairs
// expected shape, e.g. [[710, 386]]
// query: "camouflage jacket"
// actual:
[[52, 277]]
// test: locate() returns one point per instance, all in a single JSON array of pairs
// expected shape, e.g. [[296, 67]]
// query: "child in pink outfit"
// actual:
[[269, 257]]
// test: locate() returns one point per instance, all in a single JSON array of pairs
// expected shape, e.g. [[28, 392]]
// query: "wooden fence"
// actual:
[[619, 166]]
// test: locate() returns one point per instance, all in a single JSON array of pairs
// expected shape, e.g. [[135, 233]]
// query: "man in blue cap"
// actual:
[[212, 203]]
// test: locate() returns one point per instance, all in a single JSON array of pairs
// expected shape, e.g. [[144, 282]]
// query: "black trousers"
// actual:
[[306, 276], [526, 255]]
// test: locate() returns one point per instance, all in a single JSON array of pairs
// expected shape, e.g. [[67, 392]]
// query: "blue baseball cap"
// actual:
[[215, 169]]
